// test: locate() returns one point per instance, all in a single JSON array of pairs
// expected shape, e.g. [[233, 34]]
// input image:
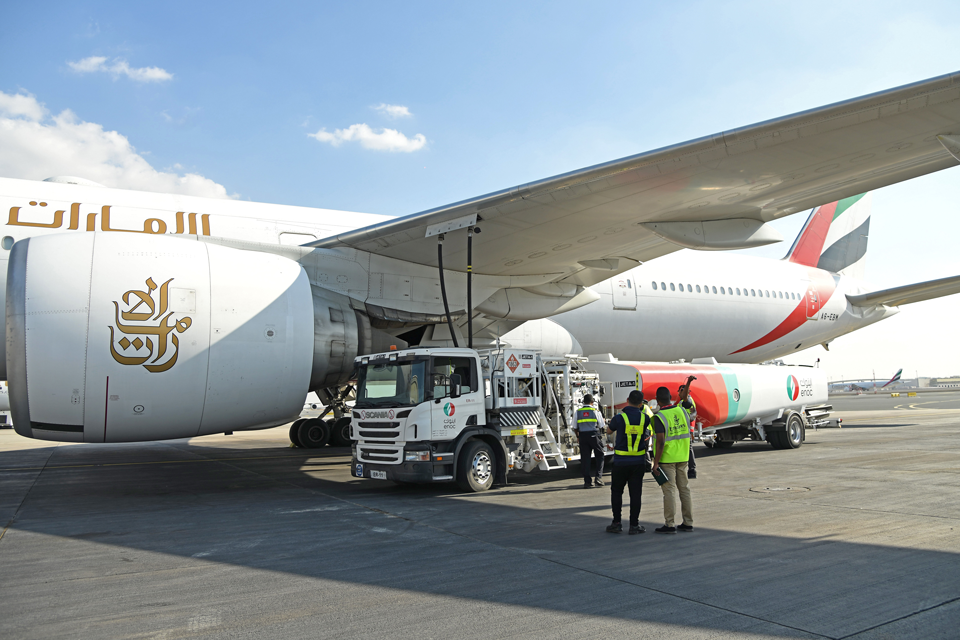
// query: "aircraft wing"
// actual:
[[714, 192], [908, 294]]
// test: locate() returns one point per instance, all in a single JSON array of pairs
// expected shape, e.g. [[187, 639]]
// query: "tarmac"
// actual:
[[854, 535]]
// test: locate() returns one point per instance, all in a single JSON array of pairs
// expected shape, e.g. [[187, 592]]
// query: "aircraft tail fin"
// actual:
[[834, 237], [895, 378]]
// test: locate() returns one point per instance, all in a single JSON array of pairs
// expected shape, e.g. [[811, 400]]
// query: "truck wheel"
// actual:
[[477, 467], [723, 444], [793, 436], [341, 433], [314, 433], [295, 432]]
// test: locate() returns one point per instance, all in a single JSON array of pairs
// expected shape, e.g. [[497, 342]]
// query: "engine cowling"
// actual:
[[123, 337]]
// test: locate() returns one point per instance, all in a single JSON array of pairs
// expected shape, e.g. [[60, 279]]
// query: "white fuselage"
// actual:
[[767, 309], [632, 320]]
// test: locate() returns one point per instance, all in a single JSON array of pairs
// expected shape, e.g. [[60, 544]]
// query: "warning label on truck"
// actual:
[[512, 363]]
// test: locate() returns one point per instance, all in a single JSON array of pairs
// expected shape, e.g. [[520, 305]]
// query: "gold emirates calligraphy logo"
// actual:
[[145, 321]]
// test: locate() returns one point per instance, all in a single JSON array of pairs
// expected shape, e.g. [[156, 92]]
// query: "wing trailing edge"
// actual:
[[907, 294]]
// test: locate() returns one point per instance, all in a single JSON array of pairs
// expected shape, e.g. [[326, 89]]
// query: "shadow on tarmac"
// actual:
[[298, 512]]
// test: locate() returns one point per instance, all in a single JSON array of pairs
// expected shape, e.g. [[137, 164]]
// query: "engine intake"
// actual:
[[123, 337]]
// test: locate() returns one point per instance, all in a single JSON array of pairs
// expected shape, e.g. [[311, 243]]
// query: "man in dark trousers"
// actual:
[[589, 422], [633, 430]]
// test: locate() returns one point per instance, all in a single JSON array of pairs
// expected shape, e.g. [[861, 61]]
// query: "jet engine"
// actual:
[[115, 337]]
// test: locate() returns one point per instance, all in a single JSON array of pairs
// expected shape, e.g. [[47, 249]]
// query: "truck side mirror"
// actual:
[[455, 385]]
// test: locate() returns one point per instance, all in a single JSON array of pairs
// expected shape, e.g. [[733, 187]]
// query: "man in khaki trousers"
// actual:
[[671, 426]]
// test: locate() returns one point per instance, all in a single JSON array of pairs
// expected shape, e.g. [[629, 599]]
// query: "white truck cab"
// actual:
[[445, 414]]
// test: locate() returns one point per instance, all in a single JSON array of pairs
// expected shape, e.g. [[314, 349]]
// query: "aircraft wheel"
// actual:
[[477, 467], [295, 432], [341, 433], [314, 433]]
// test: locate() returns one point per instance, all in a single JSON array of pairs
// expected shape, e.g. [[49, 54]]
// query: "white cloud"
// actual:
[[119, 67], [393, 110], [20, 105], [383, 140], [34, 146]]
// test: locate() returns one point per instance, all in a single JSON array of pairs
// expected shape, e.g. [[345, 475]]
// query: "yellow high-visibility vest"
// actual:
[[676, 445], [634, 434]]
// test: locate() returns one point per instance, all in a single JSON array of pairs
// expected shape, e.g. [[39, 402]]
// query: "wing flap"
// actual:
[[908, 294]]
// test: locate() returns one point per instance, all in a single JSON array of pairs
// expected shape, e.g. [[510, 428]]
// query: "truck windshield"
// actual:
[[391, 384]]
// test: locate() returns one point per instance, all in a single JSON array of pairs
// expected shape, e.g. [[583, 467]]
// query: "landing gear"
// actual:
[[295, 432], [314, 433], [341, 432]]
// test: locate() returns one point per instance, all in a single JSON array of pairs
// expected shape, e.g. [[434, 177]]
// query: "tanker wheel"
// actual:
[[341, 433], [793, 436], [295, 432], [477, 467], [314, 433], [723, 444]]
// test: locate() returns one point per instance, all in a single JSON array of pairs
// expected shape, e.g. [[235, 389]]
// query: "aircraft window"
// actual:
[[629, 286], [765, 293], [738, 290], [723, 291], [672, 287], [654, 285], [681, 287], [698, 288], [690, 288], [781, 295], [714, 289], [753, 293], [663, 286]]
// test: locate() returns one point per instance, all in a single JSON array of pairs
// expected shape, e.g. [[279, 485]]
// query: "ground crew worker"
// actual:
[[588, 426], [633, 429], [691, 408], [671, 426]]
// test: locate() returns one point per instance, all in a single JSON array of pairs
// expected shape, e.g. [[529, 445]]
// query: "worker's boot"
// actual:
[[615, 527]]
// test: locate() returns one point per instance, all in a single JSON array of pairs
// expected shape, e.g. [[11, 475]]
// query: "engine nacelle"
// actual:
[[118, 337]]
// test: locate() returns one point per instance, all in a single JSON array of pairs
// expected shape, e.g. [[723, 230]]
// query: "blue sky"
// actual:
[[500, 93]]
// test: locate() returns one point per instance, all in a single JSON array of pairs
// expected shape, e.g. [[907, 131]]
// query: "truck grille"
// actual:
[[379, 430], [379, 453]]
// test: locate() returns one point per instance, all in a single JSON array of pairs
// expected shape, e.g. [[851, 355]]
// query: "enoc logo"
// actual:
[[145, 319], [793, 388], [449, 409]]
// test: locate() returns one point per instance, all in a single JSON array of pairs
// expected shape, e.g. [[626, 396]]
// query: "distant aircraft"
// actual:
[[737, 308], [895, 378]]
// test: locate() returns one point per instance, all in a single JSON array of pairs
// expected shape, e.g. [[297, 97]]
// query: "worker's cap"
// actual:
[[663, 395], [635, 397], [588, 399]]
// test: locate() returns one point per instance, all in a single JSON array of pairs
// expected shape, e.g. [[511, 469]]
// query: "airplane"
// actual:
[[136, 316], [895, 378], [736, 308]]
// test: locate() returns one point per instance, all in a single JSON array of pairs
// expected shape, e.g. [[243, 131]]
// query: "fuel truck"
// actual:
[[472, 417]]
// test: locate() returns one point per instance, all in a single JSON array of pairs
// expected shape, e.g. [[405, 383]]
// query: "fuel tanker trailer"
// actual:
[[772, 402]]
